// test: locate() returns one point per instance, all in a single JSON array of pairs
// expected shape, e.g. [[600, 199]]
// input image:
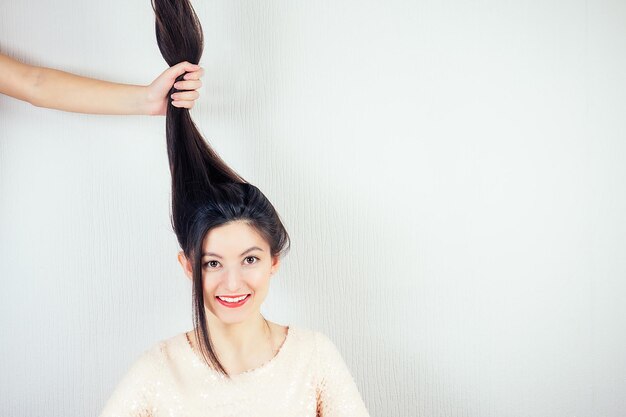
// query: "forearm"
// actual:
[[60, 90], [55, 89]]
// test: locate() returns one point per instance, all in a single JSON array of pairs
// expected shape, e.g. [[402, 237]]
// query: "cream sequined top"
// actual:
[[306, 378]]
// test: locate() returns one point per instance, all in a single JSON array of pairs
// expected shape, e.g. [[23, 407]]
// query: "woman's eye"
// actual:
[[210, 263], [252, 257]]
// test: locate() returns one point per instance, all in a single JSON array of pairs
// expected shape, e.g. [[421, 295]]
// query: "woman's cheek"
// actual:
[[210, 282], [259, 278]]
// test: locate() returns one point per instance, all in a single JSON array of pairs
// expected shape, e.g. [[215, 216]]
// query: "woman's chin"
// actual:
[[231, 316]]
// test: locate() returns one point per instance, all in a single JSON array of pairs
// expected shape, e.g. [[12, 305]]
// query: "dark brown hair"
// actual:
[[206, 193]]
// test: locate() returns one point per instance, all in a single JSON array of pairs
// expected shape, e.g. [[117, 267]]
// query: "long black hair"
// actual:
[[206, 193]]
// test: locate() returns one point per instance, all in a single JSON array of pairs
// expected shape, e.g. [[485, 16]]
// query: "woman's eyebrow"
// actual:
[[246, 251]]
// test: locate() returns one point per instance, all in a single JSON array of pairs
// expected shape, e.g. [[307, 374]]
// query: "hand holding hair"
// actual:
[[160, 87], [54, 89]]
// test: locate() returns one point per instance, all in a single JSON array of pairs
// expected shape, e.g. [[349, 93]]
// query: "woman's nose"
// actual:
[[233, 280]]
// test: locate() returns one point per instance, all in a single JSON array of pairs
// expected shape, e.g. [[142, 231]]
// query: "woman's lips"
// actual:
[[233, 305]]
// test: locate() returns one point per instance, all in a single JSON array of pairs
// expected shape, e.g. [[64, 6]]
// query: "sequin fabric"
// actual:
[[306, 378]]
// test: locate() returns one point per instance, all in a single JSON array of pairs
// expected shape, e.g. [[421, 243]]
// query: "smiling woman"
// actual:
[[235, 284], [234, 362]]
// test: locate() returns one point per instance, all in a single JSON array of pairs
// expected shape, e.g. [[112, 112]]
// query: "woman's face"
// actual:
[[236, 263]]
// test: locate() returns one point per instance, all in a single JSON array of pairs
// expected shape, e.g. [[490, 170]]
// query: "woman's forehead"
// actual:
[[232, 240]]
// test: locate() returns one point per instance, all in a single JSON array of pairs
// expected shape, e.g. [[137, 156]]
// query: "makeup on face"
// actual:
[[233, 302]]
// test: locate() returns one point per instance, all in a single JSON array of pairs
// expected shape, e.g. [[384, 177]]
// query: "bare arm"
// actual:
[[50, 88]]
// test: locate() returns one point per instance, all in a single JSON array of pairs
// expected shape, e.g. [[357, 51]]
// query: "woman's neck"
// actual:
[[240, 339]]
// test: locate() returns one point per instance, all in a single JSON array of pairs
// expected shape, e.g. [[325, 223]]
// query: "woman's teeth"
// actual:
[[232, 300]]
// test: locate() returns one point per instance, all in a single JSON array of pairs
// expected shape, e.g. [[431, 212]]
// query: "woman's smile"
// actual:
[[233, 302]]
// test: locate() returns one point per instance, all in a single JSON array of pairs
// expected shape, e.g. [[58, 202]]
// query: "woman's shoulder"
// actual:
[[317, 352], [310, 342], [155, 355], [322, 347]]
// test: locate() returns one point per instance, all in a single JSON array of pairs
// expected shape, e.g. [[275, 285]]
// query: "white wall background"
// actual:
[[453, 176]]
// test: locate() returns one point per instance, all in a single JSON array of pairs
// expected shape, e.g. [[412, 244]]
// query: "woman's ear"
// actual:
[[184, 262], [275, 265]]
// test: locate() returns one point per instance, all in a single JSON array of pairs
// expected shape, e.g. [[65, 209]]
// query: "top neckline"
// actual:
[[198, 359]]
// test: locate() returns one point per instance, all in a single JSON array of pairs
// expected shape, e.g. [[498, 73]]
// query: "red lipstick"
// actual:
[[233, 305]]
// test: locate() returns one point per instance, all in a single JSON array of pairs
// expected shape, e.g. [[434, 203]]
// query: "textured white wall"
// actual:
[[452, 174]]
